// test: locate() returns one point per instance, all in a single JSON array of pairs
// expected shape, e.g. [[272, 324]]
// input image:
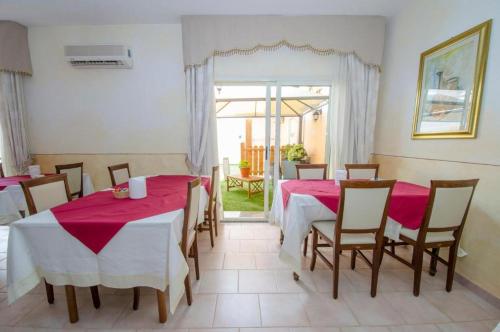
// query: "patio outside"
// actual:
[[241, 135]]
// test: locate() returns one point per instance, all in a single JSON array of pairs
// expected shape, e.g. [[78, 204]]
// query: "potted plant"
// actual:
[[244, 168], [294, 154]]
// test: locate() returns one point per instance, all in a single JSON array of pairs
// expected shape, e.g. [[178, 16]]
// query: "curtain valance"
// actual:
[[207, 36], [14, 51]]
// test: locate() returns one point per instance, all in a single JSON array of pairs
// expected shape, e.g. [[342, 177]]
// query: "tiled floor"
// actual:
[[245, 287]]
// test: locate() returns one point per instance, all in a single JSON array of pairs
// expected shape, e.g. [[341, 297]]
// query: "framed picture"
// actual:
[[450, 84]]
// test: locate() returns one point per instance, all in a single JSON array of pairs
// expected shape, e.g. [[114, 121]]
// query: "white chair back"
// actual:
[[46, 192], [364, 207], [360, 173], [310, 173], [74, 178], [449, 206], [121, 175], [193, 205]]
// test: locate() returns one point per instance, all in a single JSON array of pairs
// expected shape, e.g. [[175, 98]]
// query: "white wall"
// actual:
[[140, 110], [406, 37], [423, 24]]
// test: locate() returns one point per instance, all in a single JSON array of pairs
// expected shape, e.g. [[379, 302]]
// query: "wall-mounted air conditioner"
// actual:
[[98, 56]]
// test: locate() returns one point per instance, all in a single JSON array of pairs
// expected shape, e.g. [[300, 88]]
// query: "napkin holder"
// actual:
[[340, 175], [34, 171], [137, 187]]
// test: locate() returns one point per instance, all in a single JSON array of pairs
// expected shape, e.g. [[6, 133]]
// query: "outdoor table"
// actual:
[[255, 183]]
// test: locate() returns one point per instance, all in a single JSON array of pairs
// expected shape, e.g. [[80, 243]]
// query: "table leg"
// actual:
[[71, 302], [162, 306]]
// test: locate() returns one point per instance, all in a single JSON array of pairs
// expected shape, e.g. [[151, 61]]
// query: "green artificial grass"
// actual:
[[237, 199]]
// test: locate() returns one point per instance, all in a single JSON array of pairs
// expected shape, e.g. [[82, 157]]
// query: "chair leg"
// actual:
[[314, 248], [336, 274], [137, 296], [187, 286], [49, 289], [196, 260], [354, 253], [162, 306], [375, 270], [452, 259], [433, 265], [215, 219], [95, 296], [306, 240], [71, 303], [282, 237], [211, 230], [418, 255]]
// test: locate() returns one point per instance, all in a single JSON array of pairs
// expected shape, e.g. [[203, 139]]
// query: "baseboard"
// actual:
[[485, 295]]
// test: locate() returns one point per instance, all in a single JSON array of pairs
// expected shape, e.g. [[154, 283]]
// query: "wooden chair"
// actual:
[[119, 173], [362, 171], [45, 193], [2, 174], [443, 223], [75, 177], [188, 245], [360, 225], [210, 216], [310, 172]]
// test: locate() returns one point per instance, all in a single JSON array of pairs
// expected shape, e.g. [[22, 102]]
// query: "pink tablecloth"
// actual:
[[408, 201], [12, 180], [95, 219]]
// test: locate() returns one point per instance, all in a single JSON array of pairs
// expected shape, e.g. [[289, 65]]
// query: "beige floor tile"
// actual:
[[365, 329], [265, 329], [269, 262], [371, 311], [221, 245], [211, 261], [11, 314], [46, 315], [234, 261], [104, 317], [254, 246], [282, 310], [241, 233], [415, 328], [286, 284], [230, 329], [237, 310], [145, 317], [314, 329], [218, 281], [323, 310], [257, 281], [464, 327], [415, 310], [458, 305], [200, 314]]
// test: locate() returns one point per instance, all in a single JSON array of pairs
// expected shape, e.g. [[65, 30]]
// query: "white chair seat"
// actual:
[[430, 238], [327, 228]]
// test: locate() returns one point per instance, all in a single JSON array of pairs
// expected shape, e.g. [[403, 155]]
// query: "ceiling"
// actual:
[[83, 12]]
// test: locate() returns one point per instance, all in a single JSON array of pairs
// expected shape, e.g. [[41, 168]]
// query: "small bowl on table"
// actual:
[[121, 193]]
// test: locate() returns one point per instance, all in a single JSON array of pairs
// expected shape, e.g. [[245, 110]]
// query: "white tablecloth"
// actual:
[[145, 252], [12, 200], [296, 219]]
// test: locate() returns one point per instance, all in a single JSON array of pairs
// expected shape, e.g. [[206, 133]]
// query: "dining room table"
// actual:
[[298, 203], [12, 201], [101, 240]]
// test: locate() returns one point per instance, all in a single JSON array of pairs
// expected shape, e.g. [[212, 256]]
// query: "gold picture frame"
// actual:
[[450, 85]]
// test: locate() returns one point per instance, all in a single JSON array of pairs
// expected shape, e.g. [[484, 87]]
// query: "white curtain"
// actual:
[[353, 107], [15, 147], [202, 153]]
